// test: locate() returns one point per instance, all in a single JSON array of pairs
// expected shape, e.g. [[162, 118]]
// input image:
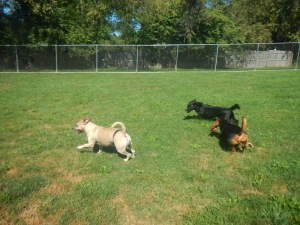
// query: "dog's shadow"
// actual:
[[108, 150], [195, 117], [224, 146]]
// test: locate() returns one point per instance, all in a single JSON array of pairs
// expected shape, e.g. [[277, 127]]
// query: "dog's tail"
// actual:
[[244, 125], [123, 128], [235, 106]]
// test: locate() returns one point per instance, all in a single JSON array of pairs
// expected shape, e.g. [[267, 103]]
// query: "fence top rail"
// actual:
[[144, 45]]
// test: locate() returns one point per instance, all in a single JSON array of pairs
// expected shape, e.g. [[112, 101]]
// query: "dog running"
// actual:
[[205, 111], [106, 137], [232, 134]]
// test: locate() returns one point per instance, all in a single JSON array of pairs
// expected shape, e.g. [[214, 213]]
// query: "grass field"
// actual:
[[181, 174]]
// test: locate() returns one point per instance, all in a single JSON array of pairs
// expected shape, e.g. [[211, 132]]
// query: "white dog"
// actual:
[[106, 137]]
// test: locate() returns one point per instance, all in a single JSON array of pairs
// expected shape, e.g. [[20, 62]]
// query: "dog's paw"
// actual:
[[250, 145], [213, 129], [79, 147]]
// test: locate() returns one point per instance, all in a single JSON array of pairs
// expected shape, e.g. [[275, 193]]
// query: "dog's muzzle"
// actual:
[[77, 130], [188, 110]]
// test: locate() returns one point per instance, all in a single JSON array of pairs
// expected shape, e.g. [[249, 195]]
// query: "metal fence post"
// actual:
[[216, 60], [257, 54], [137, 59], [296, 67], [17, 59], [56, 63], [176, 63], [96, 58]]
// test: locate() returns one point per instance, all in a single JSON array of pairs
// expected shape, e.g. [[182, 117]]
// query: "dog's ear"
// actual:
[[86, 121]]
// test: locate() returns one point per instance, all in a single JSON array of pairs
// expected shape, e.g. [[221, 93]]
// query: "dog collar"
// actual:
[[115, 133]]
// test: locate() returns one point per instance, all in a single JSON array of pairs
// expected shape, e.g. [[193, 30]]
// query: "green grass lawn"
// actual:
[[180, 175]]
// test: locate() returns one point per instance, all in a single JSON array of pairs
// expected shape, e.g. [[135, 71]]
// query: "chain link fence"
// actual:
[[147, 58]]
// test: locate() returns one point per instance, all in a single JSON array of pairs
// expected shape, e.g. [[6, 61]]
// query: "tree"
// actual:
[[14, 29], [209, 22], [160, 22], [71, 22], [148, 22], [267, 21], [56, 22], [286, 20]]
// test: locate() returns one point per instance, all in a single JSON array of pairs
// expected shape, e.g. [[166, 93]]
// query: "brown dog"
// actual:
[[106, 137], [232, 133]]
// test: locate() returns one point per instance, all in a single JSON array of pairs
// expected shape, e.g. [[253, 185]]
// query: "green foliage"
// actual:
[[148, 22], [268, 21], [160, 23]]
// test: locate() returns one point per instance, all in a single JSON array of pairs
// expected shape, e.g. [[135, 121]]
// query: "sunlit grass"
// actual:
[[180, 175]]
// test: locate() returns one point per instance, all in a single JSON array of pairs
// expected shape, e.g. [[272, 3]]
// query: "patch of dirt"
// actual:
[[56, 188], [13, 171], [5, 218], [72, 178], [177, 209], [282, 188], [6, 86], [30, 214], [154, 154], [251, 191], [124, 211], [204, 161], [173, 207], [260, 150], [47, 126], [76, 222], [66, 175]]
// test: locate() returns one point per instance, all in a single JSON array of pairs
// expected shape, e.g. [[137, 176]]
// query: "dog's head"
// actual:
[[193, 105], [80, 126]]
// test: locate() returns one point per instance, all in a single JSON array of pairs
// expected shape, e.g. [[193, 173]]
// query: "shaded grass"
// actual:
[[181, 175]]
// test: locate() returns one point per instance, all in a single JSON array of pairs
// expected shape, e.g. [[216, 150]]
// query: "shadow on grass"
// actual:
[[195, 117], [108, 150], [224, 146]]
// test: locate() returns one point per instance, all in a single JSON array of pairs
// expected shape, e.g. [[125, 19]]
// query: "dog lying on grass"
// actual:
[[106, 137], [232, 134], [210, 112]]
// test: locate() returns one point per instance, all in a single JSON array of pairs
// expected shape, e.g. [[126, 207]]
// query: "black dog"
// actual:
[[211, 112]]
